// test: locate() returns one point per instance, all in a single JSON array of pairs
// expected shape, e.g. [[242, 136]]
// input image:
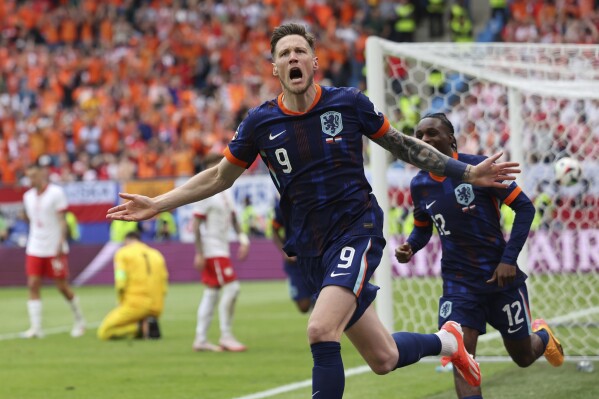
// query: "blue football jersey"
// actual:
[[467, 219], [315, 161]]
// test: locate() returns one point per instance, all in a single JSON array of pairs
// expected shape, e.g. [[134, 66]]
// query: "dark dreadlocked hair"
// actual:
[[443, 118]]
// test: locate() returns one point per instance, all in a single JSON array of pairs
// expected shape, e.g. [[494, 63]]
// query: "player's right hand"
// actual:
[[403, 253], [199, 262], [137, 207]]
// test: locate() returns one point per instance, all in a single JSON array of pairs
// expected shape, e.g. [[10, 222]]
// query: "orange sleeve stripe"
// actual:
[[512, 196], [381, 132], [276, 225], [231, 158], [420, 223]]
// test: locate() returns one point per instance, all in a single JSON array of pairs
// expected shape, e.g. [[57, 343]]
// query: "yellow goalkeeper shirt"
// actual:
[[141, 277]]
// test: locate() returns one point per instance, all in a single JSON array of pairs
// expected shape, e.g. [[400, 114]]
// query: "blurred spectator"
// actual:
[[73, 232], [18, 231], [436, 12], [404, 22], [119, 230], [165, 227], [125, 90], [3, 227], [499, 10], [460, 23], [250, 220]]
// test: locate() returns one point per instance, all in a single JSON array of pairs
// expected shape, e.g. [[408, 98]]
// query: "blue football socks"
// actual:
[[328, 376], [412, 347], [544, 335]]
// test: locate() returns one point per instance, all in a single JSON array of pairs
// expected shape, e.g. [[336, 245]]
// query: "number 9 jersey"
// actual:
[[315, 160]]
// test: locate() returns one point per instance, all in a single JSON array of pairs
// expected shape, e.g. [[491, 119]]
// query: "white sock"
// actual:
[[34, 308], [205, 313], [226, 308], [449, 343], [76, 308]]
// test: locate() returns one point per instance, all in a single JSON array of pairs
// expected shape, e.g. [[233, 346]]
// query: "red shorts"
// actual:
[[52, 267], [218, 272]]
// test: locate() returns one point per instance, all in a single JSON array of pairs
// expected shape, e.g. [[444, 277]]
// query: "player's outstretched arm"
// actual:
[[418, 153], [203, 185]]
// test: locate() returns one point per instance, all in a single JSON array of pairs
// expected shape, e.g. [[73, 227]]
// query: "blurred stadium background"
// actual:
[[129, 95]]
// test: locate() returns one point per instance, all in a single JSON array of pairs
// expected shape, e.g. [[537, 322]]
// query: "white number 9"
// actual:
[[283, 159], [347, 256]]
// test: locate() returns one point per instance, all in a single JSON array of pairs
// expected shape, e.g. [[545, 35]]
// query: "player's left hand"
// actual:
[[243, 251], [504, 274], [491, 174], [404, 253]]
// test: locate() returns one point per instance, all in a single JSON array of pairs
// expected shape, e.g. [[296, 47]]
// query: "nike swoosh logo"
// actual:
[[510, 331], [431, 204], [315, 393], [276, 135], [333, 274]]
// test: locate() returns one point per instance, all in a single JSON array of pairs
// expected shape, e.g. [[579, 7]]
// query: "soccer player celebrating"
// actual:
[[47, 246], [213, 218], [141, 283], [310, 138], [298, 289], [481, 279]]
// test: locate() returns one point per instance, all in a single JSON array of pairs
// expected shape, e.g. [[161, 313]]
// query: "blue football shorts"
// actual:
[[507, 311], [298, 289], [350, 263]]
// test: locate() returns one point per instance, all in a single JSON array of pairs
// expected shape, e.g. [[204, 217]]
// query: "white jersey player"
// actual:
[[213, 219], [46, 253]]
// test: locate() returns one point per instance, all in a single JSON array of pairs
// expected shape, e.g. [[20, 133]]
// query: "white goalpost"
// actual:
[[535, 102]]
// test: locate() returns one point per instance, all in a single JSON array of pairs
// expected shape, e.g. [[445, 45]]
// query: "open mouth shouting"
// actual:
[[295, 75]]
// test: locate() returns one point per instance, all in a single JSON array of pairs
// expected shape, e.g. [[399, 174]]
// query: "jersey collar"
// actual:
[[290, 112], [43, 190], [441, 179]]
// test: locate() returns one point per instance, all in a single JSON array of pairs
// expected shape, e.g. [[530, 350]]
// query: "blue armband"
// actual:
[[455, 169]]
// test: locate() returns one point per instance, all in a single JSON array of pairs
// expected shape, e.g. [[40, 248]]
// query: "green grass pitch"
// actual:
[[59, 367]]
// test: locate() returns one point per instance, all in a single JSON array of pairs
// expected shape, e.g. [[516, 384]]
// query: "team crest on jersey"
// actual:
[[445, 309], [331, 123], [464, 194]]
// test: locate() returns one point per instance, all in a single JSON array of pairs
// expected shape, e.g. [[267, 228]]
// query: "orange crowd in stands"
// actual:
[[123, 89]]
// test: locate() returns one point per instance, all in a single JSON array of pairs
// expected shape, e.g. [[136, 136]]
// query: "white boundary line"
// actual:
[[299, 385], [487, 337]]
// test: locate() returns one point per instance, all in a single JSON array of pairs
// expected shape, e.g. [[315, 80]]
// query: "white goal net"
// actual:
[[537, 103]]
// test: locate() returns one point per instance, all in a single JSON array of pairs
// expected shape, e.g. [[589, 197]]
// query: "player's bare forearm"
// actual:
[[197, 237], [64, 233], [235, 223], [488, 173], [201, 186], [414, 151]]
